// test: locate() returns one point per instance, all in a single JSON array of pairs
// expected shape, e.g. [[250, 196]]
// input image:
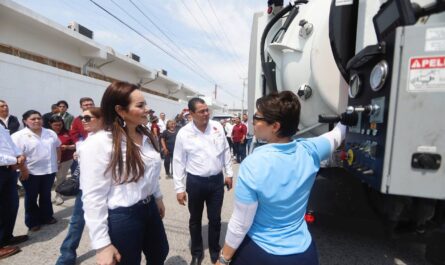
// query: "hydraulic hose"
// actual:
[[268, 72], [269, 68]]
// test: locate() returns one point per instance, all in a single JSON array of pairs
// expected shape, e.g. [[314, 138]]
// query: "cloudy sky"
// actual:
[[210, 38]]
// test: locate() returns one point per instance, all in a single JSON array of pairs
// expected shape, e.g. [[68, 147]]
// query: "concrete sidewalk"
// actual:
[[43, 246]]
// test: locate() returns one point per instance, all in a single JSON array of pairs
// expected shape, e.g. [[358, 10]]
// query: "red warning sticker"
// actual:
[[427, 74], [427, 62]]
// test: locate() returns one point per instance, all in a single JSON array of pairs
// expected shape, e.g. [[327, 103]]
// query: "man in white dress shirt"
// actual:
[[201, 153], [162, 123], [10, 158]]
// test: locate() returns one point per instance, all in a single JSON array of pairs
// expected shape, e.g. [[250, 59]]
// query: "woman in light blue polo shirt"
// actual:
[[274, 183]]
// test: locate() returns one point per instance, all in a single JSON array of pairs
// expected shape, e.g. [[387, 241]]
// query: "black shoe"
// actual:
[[35, 228], [51, 221], [196, 260], [214, 257], [17, 240]]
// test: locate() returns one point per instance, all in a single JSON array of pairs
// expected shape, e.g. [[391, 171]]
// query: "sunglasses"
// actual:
[[86, 118], [258, 118]]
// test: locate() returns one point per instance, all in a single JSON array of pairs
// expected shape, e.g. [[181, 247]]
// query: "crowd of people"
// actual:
[[120, 200]]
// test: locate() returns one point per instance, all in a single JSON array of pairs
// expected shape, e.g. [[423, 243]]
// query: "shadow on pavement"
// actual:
[[205, 235], [64, 213], [85, 256], [175, 260], [46, 233]]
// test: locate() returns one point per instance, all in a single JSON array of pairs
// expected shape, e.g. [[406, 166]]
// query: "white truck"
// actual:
[[378, 66]]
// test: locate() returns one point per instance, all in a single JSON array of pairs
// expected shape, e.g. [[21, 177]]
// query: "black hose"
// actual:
[[268, 73]]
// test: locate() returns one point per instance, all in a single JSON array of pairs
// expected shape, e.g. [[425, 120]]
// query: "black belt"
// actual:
[[146, 200]]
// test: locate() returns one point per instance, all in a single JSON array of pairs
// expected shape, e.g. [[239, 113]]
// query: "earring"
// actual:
[[121, 121]]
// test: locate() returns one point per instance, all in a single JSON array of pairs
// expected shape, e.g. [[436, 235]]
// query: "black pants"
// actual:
[[9, 203], [250, 253], [168, 162], [38, 206], [211, 191]]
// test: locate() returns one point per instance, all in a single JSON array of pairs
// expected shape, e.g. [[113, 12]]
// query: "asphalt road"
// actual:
[[344, 234]]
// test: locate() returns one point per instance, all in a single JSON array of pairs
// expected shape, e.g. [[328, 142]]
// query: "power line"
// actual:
[[150, 41], [143, 26], [199, 24], [209, 38], [157, 46], [205, 33], [213, 29], [77, 8], [171, 41], [224, 32], [153, 15]]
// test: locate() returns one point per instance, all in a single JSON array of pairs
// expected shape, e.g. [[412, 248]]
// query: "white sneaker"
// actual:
[[59, 200]]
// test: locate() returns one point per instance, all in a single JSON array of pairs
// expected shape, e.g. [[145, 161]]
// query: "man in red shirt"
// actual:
[[77, 132], [239, 133]]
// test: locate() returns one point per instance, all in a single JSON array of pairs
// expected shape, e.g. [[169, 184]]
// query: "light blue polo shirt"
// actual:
[[280, 177]]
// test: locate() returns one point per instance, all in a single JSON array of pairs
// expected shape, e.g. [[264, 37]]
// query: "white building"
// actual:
[[42, 62]]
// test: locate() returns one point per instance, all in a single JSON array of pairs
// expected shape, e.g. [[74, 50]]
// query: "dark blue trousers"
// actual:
[[208, 190], [69, 246], [250, 253], [137, 229], [9, 203], [38, 186], [240, 151]]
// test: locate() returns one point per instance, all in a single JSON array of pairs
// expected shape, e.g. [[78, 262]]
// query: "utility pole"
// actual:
[[216, 89], [242, 100]]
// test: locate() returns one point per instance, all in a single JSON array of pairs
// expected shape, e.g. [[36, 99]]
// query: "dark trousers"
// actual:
[[168, 162], [211, 191], [69, 246], [250, 253], [137, 229], [9, 203], [240, 151], [248, 144], [38, 186]]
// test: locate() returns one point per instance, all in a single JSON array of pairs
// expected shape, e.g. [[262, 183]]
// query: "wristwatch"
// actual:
[[224, 261]]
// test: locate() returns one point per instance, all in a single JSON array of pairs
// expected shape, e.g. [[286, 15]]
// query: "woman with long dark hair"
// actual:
[[42, 150], [120, 170]]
